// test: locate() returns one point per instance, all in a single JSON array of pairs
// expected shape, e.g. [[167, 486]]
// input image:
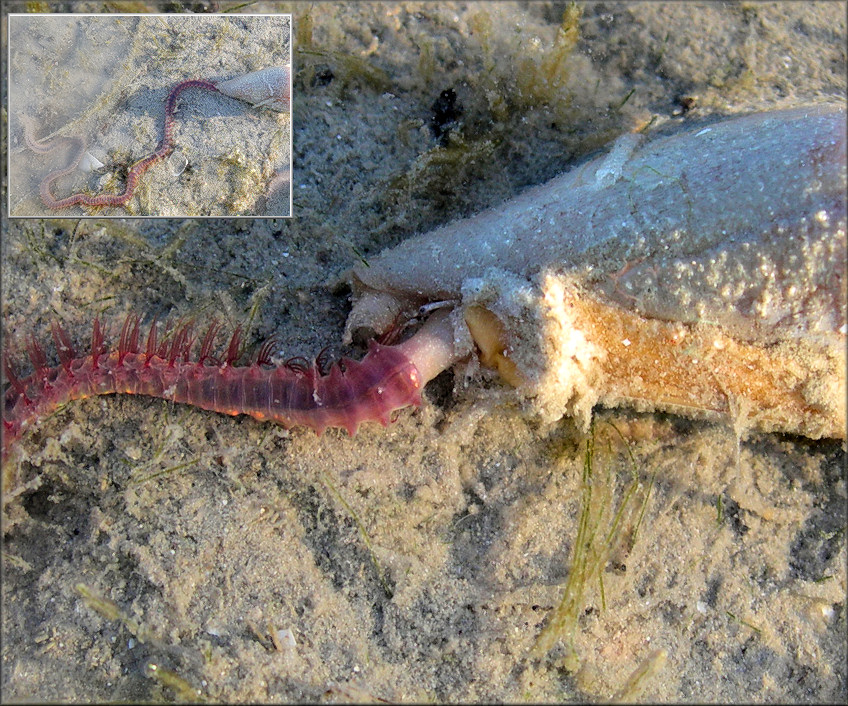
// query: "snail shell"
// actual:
[[89, 163], [266, 88], [700, 273]]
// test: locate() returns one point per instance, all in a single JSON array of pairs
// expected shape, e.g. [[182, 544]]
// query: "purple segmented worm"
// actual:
[[297, 393], [137, 169]]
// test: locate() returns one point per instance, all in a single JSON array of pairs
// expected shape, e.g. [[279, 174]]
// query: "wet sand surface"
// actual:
[[161, 552]]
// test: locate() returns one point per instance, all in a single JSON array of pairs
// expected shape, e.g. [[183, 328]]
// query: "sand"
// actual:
[[160, 552]]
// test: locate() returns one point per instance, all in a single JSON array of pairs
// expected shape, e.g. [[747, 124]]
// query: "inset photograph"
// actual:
[[149, 115]]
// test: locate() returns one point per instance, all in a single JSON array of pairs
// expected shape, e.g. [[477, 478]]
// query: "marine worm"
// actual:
[[136, 170], [390, 377], [269, 87], [701, 273]]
